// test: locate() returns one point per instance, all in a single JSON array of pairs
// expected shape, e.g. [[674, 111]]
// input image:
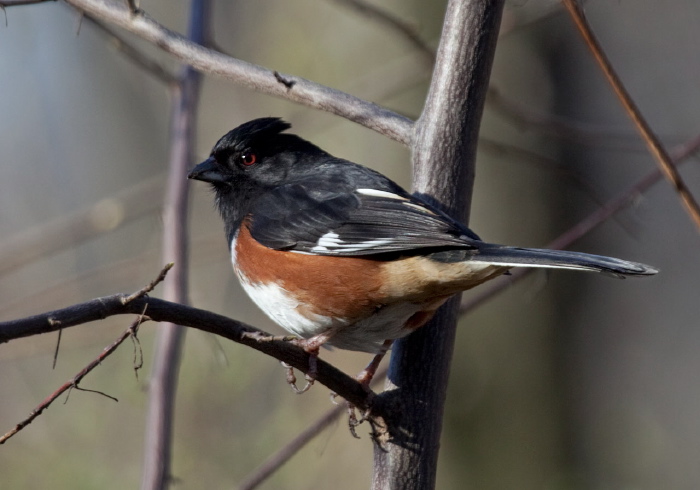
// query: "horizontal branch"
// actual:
[[165, 311], [295, 89]]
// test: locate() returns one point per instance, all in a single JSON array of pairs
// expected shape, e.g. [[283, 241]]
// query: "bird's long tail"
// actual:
[[559, 259]]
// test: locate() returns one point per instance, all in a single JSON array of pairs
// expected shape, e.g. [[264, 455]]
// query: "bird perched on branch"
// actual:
[[338, 254]]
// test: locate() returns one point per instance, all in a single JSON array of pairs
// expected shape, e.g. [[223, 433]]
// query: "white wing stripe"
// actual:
[[331, 241], [378, 193]]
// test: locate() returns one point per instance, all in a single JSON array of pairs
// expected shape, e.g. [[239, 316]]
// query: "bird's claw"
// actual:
[[310, 378]]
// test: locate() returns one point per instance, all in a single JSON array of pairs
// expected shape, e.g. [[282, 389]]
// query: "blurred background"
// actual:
[[564, 381]]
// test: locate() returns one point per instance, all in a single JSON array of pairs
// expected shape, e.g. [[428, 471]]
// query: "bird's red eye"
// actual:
[[249, 159]]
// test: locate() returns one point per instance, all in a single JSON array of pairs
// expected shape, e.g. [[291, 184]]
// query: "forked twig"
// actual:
[[75, 380], [150, 286]]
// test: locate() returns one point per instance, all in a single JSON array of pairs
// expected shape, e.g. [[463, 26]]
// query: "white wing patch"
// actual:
[[390, 195], [420, 208], [327, 241], [331, 241], [355, 247], [384, 194]]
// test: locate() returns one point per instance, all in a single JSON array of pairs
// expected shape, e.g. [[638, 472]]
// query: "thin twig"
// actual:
[[170, 338], [58, 345], [285, 453], [135, 55], [151, 285], [657, 150], [73, 382], [525, 155], [68, 230], [165, 311], [119, 272], [583, 227], [387, 19], [305, 92], [18, 3], [526, 118], [274, 462]]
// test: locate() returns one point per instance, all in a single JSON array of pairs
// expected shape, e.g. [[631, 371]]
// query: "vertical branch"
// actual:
[[444, 152], [163, 383]]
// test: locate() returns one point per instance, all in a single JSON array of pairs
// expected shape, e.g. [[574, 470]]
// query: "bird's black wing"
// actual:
[[300, 218], [369, 221]]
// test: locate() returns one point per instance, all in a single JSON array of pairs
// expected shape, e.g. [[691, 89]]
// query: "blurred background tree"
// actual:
[[563, 381]]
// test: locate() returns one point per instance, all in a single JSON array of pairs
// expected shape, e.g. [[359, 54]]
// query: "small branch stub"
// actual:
[[286, 81]]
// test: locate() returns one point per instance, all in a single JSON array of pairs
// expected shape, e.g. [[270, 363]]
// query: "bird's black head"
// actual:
[[249, 159]]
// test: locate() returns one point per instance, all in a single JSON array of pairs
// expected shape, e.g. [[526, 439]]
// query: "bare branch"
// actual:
[[657, 150], [164, 311], [166, 366], [73, 382], [305, 92], [151, 285], [387, 19], [444, 151]]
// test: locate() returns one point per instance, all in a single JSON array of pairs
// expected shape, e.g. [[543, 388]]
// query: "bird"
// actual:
[[338, 254]]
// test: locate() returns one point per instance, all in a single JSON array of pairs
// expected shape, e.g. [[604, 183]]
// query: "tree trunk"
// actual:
[[444, 152]]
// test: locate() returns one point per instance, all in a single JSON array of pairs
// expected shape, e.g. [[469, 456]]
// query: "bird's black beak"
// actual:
[[207, 171]]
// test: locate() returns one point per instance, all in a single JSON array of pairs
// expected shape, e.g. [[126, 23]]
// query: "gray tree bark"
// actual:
[[444, 152]]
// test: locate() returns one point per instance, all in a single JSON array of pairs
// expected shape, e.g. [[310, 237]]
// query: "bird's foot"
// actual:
[[311, 347], [292, 379]]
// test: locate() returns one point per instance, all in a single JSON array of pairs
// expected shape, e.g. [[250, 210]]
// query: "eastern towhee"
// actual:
[[338, 254]]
